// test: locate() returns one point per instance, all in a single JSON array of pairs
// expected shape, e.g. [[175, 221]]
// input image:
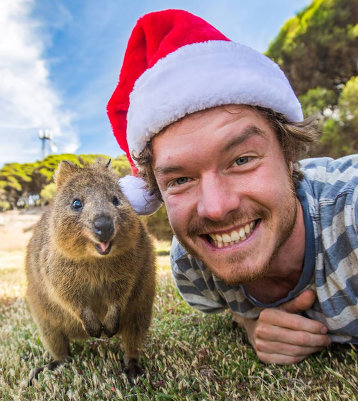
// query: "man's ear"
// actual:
[[64, 171]]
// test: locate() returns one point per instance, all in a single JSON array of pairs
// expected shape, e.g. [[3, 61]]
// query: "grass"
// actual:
[[187, 356]]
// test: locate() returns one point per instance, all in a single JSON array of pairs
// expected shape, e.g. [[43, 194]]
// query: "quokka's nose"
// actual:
[[103, 228]]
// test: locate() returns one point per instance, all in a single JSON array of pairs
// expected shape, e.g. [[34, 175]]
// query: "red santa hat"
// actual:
[[176, 64]]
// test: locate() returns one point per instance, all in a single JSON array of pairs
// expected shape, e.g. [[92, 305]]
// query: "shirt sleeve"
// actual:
[[355, 210], [194, 283]]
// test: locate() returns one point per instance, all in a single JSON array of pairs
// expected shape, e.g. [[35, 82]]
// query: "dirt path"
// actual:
[[15, 233], [16, 228]]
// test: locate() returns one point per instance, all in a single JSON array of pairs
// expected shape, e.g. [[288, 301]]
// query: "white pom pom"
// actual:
[[138, 196]]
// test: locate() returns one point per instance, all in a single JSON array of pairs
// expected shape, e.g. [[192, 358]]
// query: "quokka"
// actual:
[[90, 267]]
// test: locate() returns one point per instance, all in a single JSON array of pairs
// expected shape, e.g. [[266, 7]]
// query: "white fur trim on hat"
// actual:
[[134, 189], [203, 75]]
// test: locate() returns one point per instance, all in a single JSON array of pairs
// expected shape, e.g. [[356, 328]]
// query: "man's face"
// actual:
[[227, 190]]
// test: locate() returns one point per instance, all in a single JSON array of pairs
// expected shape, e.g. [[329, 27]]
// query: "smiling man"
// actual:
[[216, 131], [220, 196]]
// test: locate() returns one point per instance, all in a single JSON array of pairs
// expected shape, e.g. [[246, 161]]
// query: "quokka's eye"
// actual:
[[115, 201], [77, 205]]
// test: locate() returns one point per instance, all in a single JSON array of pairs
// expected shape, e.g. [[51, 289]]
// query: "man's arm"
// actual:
[[280, 335]]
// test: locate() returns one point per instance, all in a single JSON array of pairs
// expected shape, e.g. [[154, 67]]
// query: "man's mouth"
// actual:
[[224, 239]]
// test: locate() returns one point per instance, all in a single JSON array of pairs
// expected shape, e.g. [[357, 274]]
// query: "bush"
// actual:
[[47, 193], [158, 225], [4, 206]]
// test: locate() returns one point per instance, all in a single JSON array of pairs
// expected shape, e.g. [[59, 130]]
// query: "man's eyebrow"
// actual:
[[247, 133], [167, 170]]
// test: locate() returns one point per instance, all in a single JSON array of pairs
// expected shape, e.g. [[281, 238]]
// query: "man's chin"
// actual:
[[233, 276], [230, 270]]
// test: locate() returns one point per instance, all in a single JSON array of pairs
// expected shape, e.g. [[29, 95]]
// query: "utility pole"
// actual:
[[44, 135]]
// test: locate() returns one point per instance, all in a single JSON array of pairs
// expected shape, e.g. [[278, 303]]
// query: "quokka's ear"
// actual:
[[64, 171], [101, 163]]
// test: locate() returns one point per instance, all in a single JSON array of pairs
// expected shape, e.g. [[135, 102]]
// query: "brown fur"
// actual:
[[73, 290]]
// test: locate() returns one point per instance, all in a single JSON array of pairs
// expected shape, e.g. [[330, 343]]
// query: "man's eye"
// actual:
[[242, 160], [181, 180], [177, 182]]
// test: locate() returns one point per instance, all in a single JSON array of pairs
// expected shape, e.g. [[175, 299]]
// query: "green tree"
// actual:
[[348, 104], [339, 132], [15, 182], [47, 193], [317, 101], [21, 183], [319, 46]]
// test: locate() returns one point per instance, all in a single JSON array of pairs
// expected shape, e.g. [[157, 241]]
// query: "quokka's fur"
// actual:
[[90, 266]]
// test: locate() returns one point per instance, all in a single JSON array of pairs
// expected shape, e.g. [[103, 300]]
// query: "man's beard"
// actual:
[[197, 226]]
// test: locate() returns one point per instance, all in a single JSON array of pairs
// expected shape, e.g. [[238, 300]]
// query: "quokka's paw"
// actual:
[[133, 370], [111, 329], [111, 322], [34, 374], [94, 331], [109, 333], [91, 324]]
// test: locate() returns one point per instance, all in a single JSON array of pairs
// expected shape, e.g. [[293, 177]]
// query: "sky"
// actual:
[[60, 61]]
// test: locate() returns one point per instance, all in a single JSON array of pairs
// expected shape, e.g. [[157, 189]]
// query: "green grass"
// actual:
[[187, 356]]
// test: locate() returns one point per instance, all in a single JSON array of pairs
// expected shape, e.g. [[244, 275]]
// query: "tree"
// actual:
[[47, 193], [319, 46], [339, 132], [21, 183], [15, 182], [318, 101]]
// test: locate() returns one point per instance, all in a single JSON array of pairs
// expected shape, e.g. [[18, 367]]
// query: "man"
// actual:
[[216, 131]]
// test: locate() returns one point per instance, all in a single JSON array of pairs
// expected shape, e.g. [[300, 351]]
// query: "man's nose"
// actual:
[[217, 197]]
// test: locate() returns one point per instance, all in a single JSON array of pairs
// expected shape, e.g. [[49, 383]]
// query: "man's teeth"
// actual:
[[235, 236]]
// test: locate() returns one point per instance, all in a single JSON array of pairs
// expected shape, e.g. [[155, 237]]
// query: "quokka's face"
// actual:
[[92, 217]]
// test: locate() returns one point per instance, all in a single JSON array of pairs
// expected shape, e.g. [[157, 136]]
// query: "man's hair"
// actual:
[[295, 140]]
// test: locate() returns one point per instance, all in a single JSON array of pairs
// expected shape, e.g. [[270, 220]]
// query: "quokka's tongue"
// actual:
[[104, 246]]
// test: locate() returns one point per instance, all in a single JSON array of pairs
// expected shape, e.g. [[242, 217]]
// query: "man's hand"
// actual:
[[281, 336]]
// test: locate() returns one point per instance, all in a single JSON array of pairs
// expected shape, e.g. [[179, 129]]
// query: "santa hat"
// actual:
[[176, 64]]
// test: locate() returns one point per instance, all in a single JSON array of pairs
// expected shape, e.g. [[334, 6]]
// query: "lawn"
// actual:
[[187, 356]]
